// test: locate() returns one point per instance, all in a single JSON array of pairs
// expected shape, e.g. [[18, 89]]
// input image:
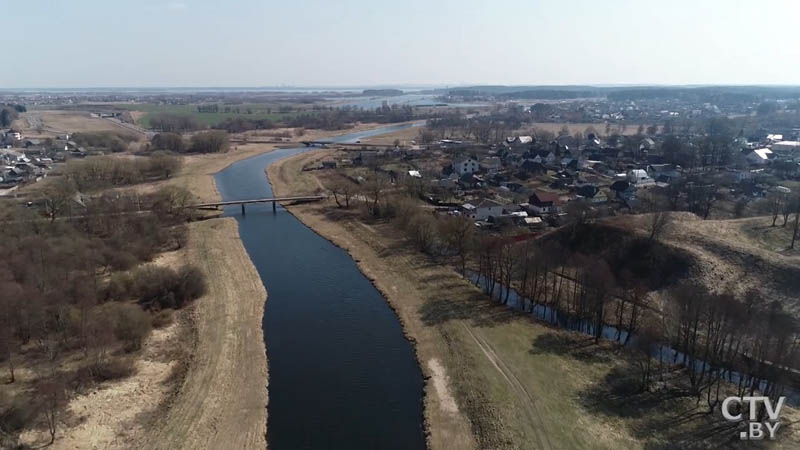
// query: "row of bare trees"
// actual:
[[710, 338]]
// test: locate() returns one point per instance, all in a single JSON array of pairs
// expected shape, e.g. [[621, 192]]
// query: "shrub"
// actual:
[[163, 287], [131, 325], [108, 140], [107, 370], [214, 141], [119, 287], [169, 141], [191, 284]]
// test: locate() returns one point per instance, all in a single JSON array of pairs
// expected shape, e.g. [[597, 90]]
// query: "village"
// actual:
[[531, 182], [26, 160]]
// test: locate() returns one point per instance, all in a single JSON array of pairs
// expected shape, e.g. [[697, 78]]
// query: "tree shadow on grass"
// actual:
[[575, 345], [477, 309], [666, 418]]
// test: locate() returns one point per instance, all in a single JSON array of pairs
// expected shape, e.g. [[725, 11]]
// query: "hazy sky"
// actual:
[[94, 43]]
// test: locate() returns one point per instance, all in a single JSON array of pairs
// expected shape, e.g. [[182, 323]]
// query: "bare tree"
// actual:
[[658, 219], [343, 190], [52, 395], [373, 190], [57, 197], [774, 204], [795, 207], [458, 234]]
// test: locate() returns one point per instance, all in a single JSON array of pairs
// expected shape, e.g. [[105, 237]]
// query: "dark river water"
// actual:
[[341, 373]]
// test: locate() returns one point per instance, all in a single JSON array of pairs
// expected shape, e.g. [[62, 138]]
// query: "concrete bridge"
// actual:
[[346, 144], [273, 200]]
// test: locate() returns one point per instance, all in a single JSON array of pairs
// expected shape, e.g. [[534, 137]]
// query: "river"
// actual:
[[341, 373]]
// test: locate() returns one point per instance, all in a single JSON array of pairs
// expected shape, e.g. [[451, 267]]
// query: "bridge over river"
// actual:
[[273, 200]]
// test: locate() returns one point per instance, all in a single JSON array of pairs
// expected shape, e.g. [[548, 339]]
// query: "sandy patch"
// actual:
[[441, 386]]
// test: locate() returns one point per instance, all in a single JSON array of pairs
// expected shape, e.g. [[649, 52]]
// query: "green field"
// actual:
[[253, 111]]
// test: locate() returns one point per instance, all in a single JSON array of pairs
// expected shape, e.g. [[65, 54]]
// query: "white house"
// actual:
[[639, 177], [483, 210], [759, 156], [520, 140], [465, 165]]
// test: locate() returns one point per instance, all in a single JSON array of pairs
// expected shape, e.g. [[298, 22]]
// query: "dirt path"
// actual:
[[222, 400], [515, 384]]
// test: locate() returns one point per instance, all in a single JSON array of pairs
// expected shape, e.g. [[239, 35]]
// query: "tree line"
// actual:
[[105, 140], [9, 113], [213, 141]]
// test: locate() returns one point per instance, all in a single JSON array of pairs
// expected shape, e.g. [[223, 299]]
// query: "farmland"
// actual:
[[252, 111]]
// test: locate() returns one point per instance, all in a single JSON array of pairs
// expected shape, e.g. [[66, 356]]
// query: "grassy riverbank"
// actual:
[[498, 379], [221, 401]]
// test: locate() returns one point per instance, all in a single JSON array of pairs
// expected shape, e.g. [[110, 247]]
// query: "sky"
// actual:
[[261, 43]]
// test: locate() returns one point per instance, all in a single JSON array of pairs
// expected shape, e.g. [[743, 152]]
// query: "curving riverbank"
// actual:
[[221, 396], [446, 425]]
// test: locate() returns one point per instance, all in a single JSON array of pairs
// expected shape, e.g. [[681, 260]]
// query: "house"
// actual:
[[647, 144], [469, 180], [414, 174], [544, 157], [328, 164], [573, 163], [759, 156], [12, 135], [623, 190], [639, 177], [665, 173], [544, 202], [534, 222], [588, 192], [774, 137], [522, 140], [491, 164], [465, 165], [485, 209], [532, 167]]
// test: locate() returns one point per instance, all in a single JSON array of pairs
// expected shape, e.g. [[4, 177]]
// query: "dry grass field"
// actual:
[[404, 136], [51, 123]]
